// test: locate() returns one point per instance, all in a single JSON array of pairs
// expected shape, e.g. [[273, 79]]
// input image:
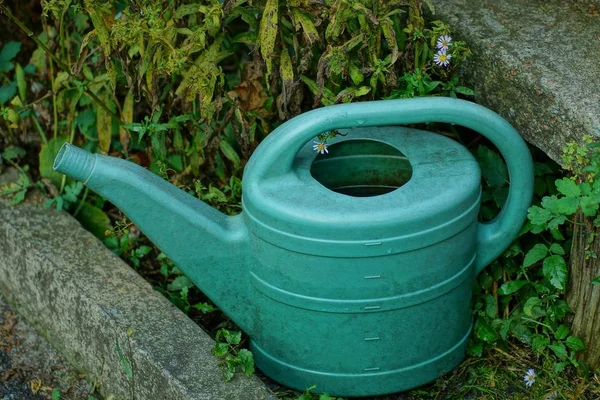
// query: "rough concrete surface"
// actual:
[[534, 62], [102, 316], [30, 369]]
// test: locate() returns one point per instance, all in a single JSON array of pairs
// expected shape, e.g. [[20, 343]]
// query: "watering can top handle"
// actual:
[[275, 155]]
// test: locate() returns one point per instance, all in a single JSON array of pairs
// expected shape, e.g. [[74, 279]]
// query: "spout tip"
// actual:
[[74, 162]]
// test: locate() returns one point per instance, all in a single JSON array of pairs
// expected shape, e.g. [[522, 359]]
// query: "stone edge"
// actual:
[[101, 315]]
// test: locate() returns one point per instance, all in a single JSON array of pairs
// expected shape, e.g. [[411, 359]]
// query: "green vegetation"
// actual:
[[189, 88]]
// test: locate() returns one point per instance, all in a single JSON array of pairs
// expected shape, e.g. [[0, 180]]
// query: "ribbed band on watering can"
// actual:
[[309, 218]]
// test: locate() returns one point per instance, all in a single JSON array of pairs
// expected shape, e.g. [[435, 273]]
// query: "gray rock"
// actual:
[[91, 307], [534, 62]]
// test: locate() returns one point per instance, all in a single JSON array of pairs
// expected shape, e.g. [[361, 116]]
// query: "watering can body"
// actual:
[[353, 270]]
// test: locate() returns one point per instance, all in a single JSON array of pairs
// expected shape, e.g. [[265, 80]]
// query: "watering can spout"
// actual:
[[208, 246]]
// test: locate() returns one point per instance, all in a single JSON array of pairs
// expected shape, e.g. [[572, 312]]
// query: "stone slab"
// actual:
[[30, 369], [102, 316], [534, 62]]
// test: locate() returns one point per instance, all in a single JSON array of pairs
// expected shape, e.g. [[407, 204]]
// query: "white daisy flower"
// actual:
[[443, 42], [442, 58], [529, 377], [320, 147]]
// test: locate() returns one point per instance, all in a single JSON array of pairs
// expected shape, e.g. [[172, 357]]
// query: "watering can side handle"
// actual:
[[275, 155]]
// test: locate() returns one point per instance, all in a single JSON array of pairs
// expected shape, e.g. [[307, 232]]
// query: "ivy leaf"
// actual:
[[596, 281], [568, 187], [537, 252], [555, 269], [511, 287]]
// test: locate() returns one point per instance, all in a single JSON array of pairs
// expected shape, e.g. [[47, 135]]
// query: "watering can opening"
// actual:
[[361, 168]]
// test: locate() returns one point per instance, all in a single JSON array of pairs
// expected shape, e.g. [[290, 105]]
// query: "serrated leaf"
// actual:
[[204, 307], [567, 205], [511, 287], [179, 283], [537, 252], [229, 153], [589, 206], [47, 156], [561, 332], [220, 349], [555, 270], [575, 344], [232, 337], [493, 169], [529, 304], [475, 349], [556, 248], [247, 361], [559, 350], [491, 306], [568, 187], [539, 343], [485, 332]]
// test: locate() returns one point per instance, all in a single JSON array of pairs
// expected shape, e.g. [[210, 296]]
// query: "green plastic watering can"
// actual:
[[352, 270]]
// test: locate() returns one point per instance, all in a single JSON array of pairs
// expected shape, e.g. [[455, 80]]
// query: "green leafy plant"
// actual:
[[521, 295], [307, 395], [18, 190], [234, 359]]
